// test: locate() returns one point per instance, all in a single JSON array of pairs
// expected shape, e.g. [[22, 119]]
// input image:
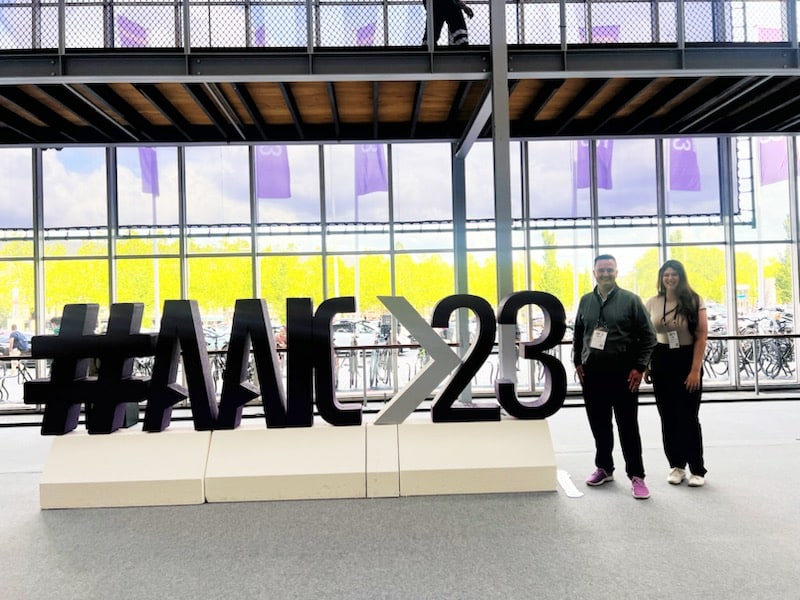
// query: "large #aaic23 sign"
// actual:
[[111, 396]]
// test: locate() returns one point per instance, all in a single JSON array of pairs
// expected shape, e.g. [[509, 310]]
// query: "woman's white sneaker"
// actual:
[[696, 481], [676, 475]]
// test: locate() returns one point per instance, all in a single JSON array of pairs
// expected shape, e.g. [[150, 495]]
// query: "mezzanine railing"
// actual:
[[316, 24]]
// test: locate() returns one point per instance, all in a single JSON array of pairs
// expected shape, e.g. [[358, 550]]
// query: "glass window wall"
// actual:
[[147, 187], [75, 188], [217, 185], [286, 184], [378, 220]]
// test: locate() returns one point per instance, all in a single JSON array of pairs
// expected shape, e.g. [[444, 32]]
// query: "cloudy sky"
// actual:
[[218, 185]]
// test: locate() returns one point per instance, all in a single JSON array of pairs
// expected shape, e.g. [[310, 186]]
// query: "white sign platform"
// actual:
[[476, 458], [253, 463], [125, 468]]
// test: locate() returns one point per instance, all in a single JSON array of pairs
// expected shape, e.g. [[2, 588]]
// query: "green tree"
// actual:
[[374, 280], [781, 270], [747, 277], [552, 277], [423, 280], [483, 276], [705, 268]]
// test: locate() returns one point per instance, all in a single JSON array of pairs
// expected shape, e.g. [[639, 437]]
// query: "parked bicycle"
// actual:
[[768, 353]]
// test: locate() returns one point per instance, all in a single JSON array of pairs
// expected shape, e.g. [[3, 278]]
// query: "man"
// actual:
[[449, 11], [612, 345]]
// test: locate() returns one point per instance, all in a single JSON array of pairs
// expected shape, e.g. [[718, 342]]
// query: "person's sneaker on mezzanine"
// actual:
[[599, 477], [676, 475], [639, 488]]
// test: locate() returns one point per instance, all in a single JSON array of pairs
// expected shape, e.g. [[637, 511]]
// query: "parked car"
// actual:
[[365, 333], [356, 333], [216, 337]]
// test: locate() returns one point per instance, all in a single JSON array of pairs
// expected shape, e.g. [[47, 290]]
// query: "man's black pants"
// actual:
[[605, 392]]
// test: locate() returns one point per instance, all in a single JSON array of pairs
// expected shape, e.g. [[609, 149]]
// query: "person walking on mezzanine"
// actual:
[[449, 11]]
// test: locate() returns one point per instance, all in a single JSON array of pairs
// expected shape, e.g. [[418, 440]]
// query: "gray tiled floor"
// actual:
[[738, 537]]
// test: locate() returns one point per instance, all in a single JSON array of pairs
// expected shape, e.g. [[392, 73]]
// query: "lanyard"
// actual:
[[673, 309], [601, 322]]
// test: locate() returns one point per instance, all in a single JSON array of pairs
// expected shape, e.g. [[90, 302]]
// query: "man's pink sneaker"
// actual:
[[639, 489], [599, 477]]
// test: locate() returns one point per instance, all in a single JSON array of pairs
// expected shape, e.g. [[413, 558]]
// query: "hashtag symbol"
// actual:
[[112, 395]]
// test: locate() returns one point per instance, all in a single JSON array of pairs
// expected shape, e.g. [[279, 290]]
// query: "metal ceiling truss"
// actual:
[[58, 99]]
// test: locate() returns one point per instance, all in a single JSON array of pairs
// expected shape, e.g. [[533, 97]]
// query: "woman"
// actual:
[[676, 370]]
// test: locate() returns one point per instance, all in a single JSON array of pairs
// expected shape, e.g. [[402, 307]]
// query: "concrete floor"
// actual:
[[737, 537]]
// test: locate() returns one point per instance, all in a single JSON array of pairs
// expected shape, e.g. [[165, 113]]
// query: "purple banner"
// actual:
[[773, 159], [605, 150], [771, 34], [601, 34], [684, 170], [365, 36], [130, 33], [361, 22], [259, 23], [582, 166], [148, 164], [260, 36], [370, 169], [273, 178]]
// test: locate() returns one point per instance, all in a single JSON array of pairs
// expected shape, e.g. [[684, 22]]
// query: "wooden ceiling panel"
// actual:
[[102, 107], [182, 100], [671, 103], [236, 103], [437, 101], [524, 92], [21, 112], [396, 101], [650, 92], [561, 99], [271, 104], [37, 94], [355, 101], [315, 109], [139, 103], [473, 99], [536, 92], [602, 98]]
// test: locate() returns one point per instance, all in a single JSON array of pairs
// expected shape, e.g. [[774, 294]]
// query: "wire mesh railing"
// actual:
[[318, 24]]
